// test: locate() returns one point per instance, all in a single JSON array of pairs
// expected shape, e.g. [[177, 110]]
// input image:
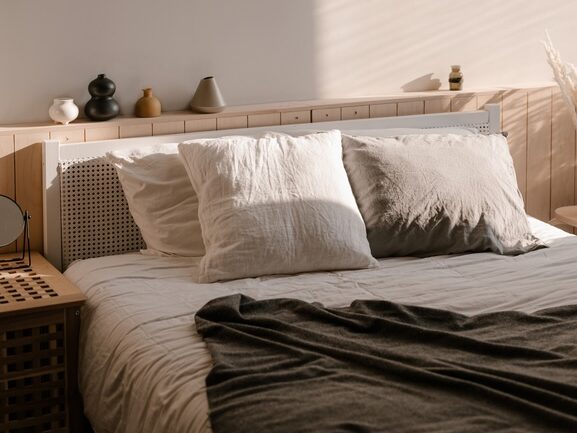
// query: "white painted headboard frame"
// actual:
[[55, 153]]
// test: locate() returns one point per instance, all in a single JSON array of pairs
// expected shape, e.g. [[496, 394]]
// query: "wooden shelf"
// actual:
[[276, 107]]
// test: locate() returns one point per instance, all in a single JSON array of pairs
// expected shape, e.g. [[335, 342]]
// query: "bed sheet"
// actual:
[[143, 366]]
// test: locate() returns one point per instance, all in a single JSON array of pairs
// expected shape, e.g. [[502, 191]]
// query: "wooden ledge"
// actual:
[[268, 108]]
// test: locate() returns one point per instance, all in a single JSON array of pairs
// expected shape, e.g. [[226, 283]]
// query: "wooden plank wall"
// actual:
[[7, 175], [541, 137]]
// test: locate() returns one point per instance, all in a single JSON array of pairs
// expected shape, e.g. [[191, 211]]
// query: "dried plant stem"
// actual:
[[566, 77]]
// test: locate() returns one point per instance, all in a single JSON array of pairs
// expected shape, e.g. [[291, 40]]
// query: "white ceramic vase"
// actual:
[[63, 110]]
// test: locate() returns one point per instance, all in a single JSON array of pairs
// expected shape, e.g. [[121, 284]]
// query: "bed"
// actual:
[[143, 366]]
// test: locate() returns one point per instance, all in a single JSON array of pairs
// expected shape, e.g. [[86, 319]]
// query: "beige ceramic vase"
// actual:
[[148, 105], [207, 98]]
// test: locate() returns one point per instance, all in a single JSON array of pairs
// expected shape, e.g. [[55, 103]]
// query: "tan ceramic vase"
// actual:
[[148, 105]]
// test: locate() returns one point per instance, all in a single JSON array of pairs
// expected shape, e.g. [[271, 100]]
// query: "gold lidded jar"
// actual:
[[456, 78]]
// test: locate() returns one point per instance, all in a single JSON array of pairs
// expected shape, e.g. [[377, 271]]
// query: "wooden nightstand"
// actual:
[[566, 215], [39, 324]]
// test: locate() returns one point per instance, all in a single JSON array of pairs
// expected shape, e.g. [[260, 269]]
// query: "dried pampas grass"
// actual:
[[566, 77]]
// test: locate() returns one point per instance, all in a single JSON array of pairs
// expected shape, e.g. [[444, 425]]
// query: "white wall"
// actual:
[[268, 50]]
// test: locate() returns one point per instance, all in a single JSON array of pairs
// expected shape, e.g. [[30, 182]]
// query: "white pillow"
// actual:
[[160, 198], [275, 205]]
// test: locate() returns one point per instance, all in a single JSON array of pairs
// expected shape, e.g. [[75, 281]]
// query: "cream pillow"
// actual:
[[275, 205], [160, 198]]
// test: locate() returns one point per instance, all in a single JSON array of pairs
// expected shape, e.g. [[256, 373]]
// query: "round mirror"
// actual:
[[11, 221]]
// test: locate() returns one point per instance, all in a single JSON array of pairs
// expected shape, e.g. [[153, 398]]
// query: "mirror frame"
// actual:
[[22, 220], [25, 242]]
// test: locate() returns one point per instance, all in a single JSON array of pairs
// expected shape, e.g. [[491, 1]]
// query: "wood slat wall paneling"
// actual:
[[28, 171], [326, 115], [68, 135], [200, 125], [383, 110], [7, 178], [265, 119], [538, 202], [438, 105], [101, 133], [295, 117], [515, 123], [357, 112], [166, 128], [464, 103], [562, 156], [410, 108], [234, 122], [489, 98], [136, 130]]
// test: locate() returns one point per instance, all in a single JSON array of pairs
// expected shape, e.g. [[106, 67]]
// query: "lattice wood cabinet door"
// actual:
[[39, 323]]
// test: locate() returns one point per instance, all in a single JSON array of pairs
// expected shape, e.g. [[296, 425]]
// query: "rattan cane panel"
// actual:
[[32, 375], [96, 220], [483, 128], [22, 284]]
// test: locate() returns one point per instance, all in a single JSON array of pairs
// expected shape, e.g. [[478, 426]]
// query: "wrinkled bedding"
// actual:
[[143, 366]]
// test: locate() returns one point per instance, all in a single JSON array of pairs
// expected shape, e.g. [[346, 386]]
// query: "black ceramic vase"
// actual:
[[102, 106]]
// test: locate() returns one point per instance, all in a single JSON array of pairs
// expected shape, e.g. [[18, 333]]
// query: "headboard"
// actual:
[[85, 211]]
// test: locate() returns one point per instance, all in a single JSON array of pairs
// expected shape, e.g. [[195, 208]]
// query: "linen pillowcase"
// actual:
[[275, 205], [436, 194], [160, 198]]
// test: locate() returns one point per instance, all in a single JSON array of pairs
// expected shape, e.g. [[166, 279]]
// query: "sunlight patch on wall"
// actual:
[[373, 46]]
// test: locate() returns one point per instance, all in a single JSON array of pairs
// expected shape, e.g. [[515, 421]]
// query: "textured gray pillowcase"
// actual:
[[423, 195]]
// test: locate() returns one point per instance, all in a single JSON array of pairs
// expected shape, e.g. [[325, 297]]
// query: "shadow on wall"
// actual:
[[259, 51], [422, 84]]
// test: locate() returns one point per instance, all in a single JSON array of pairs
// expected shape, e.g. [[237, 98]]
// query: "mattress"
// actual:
[[143, 366]]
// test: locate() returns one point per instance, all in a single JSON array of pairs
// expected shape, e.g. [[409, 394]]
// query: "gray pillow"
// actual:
[[433, 194]]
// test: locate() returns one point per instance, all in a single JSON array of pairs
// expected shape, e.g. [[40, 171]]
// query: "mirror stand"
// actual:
[[26, 253]]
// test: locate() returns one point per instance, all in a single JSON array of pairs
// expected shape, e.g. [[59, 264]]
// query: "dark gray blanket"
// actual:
[[284, 365]]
